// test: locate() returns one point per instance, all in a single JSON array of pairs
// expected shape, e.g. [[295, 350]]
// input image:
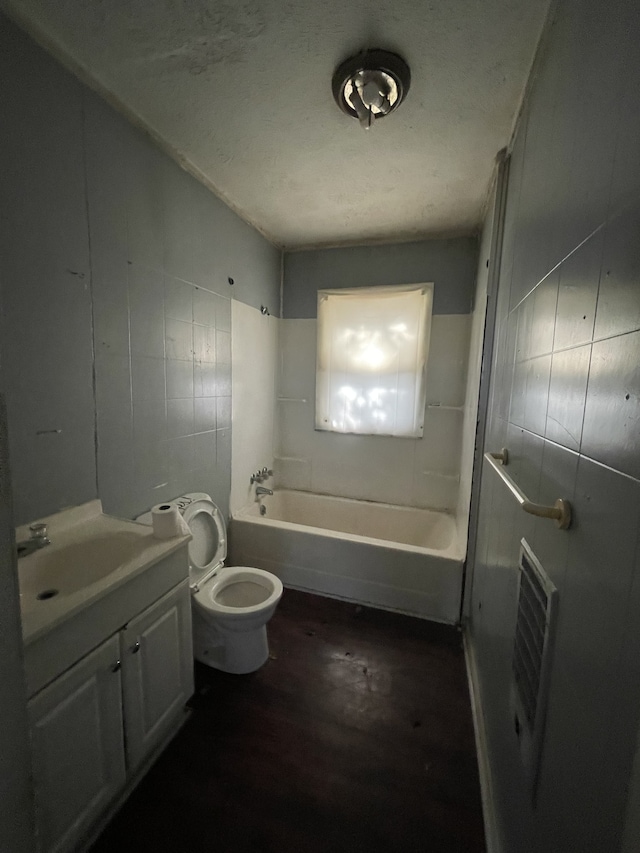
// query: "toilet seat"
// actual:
[[217, 596], [208, 546]]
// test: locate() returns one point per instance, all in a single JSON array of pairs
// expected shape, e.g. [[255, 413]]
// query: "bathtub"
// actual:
[[393, 557]]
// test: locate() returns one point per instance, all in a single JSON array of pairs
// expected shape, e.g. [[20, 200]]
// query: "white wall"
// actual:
[[254, 358], [415, 472]]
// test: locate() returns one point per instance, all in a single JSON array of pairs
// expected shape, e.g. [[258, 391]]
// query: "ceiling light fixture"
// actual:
[[371, 85]]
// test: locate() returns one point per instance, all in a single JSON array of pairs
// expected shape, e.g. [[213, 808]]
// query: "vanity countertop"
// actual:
[[90, 555]]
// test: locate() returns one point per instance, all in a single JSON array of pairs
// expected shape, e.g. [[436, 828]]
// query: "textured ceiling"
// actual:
[[241, 92]]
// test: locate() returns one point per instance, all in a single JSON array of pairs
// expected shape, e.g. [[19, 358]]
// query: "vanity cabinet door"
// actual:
[[77, 744], [157, 672]]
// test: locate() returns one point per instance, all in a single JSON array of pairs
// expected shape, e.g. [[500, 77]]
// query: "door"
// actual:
[[78, 749], [157, 671], [16, 794]]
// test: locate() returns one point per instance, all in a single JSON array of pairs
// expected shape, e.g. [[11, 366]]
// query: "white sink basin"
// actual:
[[69, 568], [90, 555]]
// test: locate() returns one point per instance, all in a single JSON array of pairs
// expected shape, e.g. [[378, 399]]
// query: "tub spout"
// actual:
[[260, 490]]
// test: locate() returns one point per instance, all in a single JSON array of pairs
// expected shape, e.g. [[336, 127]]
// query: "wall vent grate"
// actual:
[[535, 620]]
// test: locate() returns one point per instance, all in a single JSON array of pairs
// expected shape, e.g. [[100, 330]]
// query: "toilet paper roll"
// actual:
[[167, 521]]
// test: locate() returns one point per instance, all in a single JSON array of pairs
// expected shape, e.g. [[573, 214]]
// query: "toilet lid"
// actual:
[[208, 547]]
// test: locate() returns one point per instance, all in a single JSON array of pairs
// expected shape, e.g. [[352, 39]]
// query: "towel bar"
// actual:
[[560, 511]]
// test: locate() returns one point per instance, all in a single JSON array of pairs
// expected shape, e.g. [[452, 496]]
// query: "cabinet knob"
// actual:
[[135, 647], [117, 665]]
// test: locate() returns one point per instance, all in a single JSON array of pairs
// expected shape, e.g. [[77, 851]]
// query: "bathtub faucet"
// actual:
[[260, 490]]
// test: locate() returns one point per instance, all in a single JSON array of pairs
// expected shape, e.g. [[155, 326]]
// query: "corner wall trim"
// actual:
[[492, 839]]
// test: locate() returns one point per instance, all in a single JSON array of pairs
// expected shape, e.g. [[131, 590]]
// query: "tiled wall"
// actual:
[[414, 472], [116, 302], [45, 286], [255, 359], [162, 321], [565, 401]]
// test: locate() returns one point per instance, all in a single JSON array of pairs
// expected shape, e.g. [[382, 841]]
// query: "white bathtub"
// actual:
[[394, 557]]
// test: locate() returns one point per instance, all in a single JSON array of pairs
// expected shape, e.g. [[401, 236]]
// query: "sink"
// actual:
[[90, 555], [79, 564], [97, 574]]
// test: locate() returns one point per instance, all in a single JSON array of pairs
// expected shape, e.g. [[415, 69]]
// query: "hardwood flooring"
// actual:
[[355, 736]]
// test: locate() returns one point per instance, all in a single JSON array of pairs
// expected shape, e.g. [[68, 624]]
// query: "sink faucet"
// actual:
[[37, 539], [260, 490]]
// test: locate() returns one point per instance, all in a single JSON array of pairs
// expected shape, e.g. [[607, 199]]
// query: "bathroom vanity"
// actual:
[[106, 617]]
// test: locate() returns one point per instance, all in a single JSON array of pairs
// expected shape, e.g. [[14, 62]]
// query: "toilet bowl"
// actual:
[[230, 615], [231, 605]]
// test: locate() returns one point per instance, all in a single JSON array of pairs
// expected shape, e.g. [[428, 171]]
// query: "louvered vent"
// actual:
[[537, 599]]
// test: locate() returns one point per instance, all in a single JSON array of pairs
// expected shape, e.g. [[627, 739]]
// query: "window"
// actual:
[[371, 359]]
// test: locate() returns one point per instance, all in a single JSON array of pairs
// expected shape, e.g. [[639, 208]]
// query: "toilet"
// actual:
[[231, 605]]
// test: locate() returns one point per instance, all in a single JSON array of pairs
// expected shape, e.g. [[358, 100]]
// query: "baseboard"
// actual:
[[492, 837]]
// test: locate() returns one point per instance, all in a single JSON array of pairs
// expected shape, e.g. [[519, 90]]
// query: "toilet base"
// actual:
[[237, 652]]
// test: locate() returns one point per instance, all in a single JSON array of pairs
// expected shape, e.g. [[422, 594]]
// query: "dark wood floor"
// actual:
[[355, 736]]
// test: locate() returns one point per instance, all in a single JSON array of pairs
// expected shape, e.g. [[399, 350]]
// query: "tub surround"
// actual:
[[421, 472], [392, 557], [254, 342], [365, 549]]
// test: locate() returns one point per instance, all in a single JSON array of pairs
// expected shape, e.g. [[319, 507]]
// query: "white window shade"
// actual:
[[371, 359]]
